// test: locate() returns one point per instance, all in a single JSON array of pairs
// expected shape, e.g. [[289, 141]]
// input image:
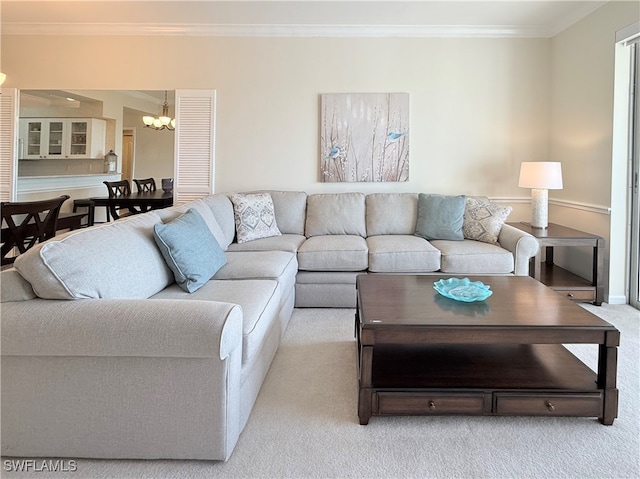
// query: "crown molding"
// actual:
[[277, 30]]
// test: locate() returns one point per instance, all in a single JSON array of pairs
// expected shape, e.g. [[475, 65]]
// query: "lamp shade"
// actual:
[[541, 175]]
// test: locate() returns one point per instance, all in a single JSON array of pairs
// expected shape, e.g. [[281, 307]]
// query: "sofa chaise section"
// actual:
[[105, 356], [128, 378]]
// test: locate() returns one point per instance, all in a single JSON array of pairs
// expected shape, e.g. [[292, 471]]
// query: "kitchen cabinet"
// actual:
[[51, 138]]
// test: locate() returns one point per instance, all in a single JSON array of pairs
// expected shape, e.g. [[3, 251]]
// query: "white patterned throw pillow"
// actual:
[[254, 216], [483, 220]]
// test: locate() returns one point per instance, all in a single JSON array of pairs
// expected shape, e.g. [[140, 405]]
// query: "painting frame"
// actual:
[[364, 137]]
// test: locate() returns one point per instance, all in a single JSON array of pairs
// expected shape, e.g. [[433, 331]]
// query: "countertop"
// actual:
[[40, 184]]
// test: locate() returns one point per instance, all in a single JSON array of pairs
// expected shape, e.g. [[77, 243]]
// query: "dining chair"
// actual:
[[26, 223], [145, 185], [116, 189]]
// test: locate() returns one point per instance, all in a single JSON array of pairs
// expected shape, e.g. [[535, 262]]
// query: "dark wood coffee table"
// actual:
[[420, 353]]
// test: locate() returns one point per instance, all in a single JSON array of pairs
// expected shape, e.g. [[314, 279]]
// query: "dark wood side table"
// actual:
[[564, 282]]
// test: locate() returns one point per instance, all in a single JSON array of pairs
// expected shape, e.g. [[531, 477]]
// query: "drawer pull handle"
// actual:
[[550, 406], [570, 295], [432, 406]]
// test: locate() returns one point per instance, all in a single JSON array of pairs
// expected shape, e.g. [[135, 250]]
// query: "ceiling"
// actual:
[[508, 18]]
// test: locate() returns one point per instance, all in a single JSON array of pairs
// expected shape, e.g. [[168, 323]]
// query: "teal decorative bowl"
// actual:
[[463, 289]]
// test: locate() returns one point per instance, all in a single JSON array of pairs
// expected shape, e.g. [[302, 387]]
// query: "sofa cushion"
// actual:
[[473, 257], [335, 214], [391, 213], [402, 254], [222, 210], [279, 265], [13, 287], [169, 214], [284, 242], [440, 217], [190, 250], [291, 210], [113, 260], [255, 216], [484, 221], [333, 253], [259, 300]]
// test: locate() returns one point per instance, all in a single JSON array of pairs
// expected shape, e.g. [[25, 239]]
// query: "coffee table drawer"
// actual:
[[549, 404], [418, 403], [588, 295]]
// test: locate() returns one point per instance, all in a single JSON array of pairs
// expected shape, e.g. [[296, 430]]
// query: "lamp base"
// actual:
[[539, 208]]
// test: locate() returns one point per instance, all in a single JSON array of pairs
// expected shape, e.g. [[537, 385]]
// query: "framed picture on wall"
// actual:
[[364, 137]]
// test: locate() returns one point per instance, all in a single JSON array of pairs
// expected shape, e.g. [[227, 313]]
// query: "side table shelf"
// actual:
[[560, 280]]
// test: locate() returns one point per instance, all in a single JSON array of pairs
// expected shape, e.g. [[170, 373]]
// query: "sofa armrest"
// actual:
[[522, 245], [121, 327]]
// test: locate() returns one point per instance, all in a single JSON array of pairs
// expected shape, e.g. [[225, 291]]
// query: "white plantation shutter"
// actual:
[[195, 144], [8, 134]]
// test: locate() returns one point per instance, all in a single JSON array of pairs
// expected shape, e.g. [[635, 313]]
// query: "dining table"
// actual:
[[138, 202]]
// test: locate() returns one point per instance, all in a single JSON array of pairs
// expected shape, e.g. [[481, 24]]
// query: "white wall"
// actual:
[[478, 106], [582, 89]]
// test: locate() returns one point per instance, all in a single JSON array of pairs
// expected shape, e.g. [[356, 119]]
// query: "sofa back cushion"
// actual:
[[13, 287], [113, 260], [391, 213], [291, 210], [222, 209], [336, 214]]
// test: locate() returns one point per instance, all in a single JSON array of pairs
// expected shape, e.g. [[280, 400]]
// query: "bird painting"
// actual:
[[364, 137]]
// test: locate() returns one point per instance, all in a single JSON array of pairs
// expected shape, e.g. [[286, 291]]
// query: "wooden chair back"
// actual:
[[26, 223], [118, 188], [145, 185]]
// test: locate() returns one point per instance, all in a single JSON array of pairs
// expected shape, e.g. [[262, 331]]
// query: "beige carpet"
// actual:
[[305, 425]]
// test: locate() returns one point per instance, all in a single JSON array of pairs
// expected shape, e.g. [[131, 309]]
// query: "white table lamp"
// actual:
[[540, 176]]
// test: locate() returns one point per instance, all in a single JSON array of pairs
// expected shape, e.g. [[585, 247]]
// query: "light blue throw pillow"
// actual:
[[190, 250], [440, 217]]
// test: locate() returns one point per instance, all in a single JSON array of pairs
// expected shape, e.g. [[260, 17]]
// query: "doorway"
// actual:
[[128, 153]]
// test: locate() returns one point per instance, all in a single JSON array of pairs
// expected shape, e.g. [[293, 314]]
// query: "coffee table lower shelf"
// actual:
[[481, 379]]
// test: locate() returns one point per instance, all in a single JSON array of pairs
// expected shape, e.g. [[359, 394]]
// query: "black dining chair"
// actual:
[[24, 224], [119, 188], [145, 185]]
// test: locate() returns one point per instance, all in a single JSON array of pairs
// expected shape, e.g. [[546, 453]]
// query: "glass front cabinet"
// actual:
[[51, 138]]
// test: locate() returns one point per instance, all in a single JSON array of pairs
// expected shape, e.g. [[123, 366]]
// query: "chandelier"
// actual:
[[164, 121]]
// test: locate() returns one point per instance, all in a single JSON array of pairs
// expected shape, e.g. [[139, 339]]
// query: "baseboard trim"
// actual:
[[617, 299]]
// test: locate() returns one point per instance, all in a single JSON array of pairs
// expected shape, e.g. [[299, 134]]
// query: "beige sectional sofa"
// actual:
[[105, 356]]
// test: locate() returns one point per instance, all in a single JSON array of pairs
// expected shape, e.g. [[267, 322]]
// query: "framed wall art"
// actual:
[[364, 137]]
